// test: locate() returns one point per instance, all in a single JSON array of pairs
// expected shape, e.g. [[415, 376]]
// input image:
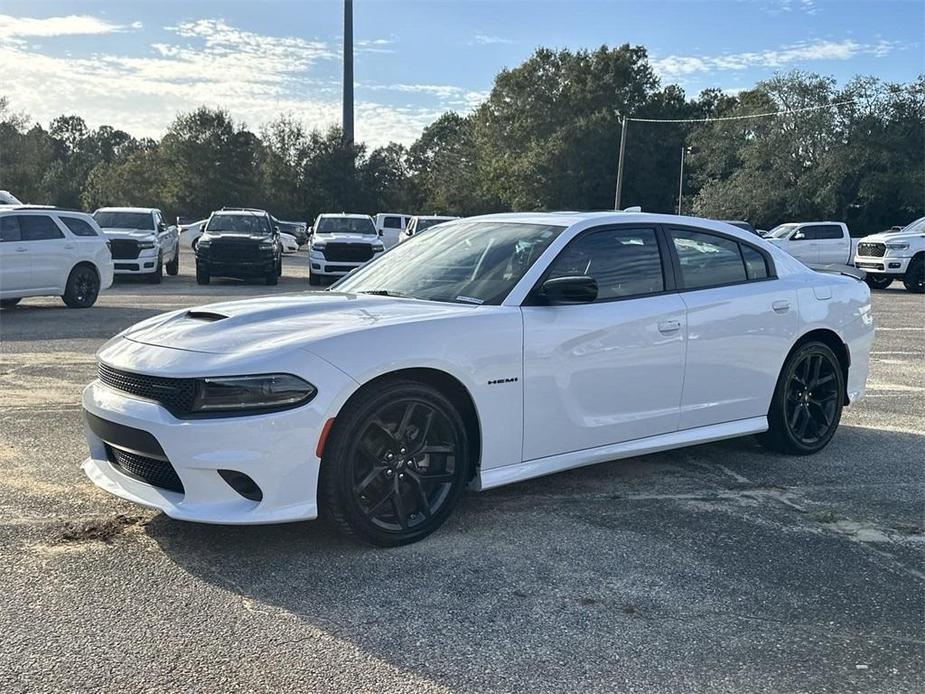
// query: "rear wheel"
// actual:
[[173, 267], [82, 288], [807, 402], [878, 281], [202, 275], [9, 303], [395, 464], [914, 279]]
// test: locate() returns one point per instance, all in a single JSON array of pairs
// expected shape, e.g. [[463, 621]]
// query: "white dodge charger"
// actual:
[[503, 348]]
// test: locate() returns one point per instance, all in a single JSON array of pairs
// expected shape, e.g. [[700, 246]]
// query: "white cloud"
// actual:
[[374, 46], [679, 65], [806, 6], [72, 25], [488, 40], [207, 61]]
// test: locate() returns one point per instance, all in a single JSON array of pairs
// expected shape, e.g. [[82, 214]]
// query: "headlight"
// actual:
[[266, 246], [144, 245], [318, 246], [378, 248], [898, 246], [240, 393]]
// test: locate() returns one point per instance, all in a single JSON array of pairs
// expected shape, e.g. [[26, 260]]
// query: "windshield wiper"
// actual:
[[383, 292]]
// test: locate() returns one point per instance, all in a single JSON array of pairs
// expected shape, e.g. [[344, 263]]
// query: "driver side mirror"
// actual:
[[161, 227], [577, 289], [379, 232]]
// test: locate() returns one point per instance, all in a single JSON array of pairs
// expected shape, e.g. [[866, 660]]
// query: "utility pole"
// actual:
[[681, 180], [616, 203], [348, 72]]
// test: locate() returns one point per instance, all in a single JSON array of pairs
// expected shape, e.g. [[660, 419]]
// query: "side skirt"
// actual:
[[538, 467]]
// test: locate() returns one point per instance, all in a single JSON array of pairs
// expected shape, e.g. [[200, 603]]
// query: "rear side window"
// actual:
[[39, 228], [707, 260], [755, 265], [829, 231], [9, 229], [625, 262], [78, 227], [392, 223]]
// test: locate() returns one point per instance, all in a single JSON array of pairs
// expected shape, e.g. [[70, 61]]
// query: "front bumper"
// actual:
[[887, 265], [277, 450], [256, 268], [144, 264]]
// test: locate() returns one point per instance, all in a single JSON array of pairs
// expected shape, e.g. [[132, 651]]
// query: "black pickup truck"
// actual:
[[239, 242]]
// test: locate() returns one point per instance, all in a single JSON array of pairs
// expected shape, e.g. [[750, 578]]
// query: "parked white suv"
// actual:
[[390, 225], [341, 243], [50, 252], [894, 255], [815, 243], [142, 242]]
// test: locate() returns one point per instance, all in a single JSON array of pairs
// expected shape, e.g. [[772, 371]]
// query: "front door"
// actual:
[[609, 371], [50, 253]]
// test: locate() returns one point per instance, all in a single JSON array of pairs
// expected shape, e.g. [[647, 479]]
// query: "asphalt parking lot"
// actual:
[[715, 568]]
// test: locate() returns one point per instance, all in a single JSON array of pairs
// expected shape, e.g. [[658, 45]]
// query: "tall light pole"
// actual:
[[681, 180], [348, 72], [618, 194]]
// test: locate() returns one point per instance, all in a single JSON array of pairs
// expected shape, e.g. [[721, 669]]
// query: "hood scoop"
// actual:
[[207, 316]]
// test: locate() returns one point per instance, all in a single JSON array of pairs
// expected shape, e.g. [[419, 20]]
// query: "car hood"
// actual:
[[132, 234], [223, 236], [275, 322], [884, 236], [346, 238]]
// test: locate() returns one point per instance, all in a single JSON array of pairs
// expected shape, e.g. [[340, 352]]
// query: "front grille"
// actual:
[[348, 252], [176, 394], [123, 249], [338, 268], [234, 251], [871, 250], [157, 473], [125, 266]]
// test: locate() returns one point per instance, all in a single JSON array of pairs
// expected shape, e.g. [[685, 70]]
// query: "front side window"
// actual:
[[624, 262], [345, 225], [141, 221], [38, 228], [9, 229], [468, 262], [78, 227], [781, 231], [707, 260]]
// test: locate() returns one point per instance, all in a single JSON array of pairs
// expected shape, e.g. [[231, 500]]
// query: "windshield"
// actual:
[[467, 262], [239, 223], [125, 220], [781, 230], [918, 226], [345, 225]]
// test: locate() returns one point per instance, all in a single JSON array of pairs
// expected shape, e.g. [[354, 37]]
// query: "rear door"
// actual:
[[609, 371], [834, 244], [392, 224], [50, 253], [804, 244], [15, 264], [741, 321]]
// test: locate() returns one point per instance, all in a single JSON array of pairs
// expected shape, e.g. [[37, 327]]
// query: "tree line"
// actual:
[[546, 138]]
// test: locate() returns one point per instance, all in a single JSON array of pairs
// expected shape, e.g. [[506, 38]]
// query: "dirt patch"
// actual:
[[99, 529]]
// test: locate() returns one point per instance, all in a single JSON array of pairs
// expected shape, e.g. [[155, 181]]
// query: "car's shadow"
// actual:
[[45, 321], [597, 566]]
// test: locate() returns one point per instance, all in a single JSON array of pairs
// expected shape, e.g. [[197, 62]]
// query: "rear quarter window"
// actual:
[[78, 227]]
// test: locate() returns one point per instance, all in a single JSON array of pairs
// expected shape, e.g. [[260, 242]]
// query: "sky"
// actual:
[[135, 65]]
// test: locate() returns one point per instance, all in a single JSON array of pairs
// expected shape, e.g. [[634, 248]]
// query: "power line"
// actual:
[[751, 115]]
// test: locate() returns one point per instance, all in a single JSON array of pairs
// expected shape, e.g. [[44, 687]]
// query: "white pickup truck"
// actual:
[[894, 255], [815, 243]]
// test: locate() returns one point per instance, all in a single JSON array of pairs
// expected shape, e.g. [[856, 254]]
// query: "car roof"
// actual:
[[240, 213], [344, 215], [148, 210]]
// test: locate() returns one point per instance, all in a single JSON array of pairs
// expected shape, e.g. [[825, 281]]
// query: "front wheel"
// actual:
[[807, 402], [173, 267], [202, 275], [314, 280], [158, 274], [395, 464], [914, 279], [82, 288], [878, 281]]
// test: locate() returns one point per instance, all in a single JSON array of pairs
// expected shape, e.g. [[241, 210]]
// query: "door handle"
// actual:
[[781, 306], [21, 249], [70, 246], [669, 326]]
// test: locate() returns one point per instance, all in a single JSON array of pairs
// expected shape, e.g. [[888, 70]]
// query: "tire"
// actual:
[[369, 489], [914, 279], [195, 244], [202, 275], [314, 280], [279, 266], [272, 277], [82, 288], [173, 267], [800, 421], [9, 303], [878, 281], [158, 274]]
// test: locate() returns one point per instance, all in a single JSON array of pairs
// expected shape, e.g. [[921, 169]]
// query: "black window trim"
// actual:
[[533, 297], [676, 261], [71, 232]]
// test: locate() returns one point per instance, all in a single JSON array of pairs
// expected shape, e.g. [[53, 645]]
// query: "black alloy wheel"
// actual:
[[158, 274], [82, 288], [914, 279], [808, 401], [395, 465], [878, 281]]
